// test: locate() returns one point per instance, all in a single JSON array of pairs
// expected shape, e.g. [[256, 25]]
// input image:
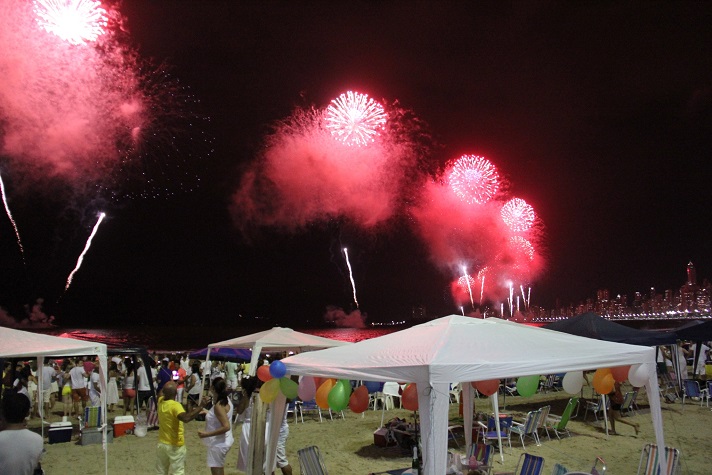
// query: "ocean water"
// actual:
[[182, 338]]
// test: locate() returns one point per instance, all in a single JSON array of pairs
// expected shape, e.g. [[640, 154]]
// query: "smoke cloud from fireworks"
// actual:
[[338, 317], [304, 175]]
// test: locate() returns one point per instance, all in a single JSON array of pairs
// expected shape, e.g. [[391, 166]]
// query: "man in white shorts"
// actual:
[[231, 375]]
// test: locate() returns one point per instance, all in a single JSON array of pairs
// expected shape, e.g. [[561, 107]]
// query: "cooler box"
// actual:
[[123, 425], [93, 435], [60, 432]]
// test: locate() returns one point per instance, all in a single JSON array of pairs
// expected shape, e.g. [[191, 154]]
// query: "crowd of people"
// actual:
[[133, 381]]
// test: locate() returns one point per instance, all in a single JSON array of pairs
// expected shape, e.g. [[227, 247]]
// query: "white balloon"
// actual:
[[638, 374], [572, 382], [307, 388]]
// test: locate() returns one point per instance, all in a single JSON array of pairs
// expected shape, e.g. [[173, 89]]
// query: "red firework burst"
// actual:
[[522, 246], [75, 21], [355, 119], [518, 215], [474, 179], [464, 282]]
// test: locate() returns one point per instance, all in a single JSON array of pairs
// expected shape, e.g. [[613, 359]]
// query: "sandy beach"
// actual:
[[347, 444]]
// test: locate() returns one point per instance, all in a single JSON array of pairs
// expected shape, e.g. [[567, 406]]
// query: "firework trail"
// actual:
[[351, 275], [524, 297], [482, 289], [469, 287], [12, 220], [86, 248]]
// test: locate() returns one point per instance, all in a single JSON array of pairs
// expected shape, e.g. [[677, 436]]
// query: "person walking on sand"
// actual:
[[79, 387], [615, 415], [217, 435], [171, 451]]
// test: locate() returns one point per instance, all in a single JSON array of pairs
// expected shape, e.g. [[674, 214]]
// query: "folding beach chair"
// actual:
[[628, 402], [558, 423], [310, 461], [597, 406], [544, 414], [691, 389], [482, 454], [596, 469], [559, 469], [528, 428], [528, 464], [649, 461]]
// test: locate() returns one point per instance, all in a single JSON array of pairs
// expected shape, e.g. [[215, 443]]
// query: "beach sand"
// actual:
[[347, 444]]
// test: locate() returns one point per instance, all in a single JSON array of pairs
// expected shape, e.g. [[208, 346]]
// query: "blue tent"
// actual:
[[223, 354]]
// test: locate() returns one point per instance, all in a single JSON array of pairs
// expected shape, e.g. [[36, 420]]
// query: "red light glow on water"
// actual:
[[518, 215], [355, 119], [75, 21], [474, 179]]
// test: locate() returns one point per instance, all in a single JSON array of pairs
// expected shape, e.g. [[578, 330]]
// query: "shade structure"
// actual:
[[23, 344], [699, 332], [591, 325], [461, 349], [277, 339]]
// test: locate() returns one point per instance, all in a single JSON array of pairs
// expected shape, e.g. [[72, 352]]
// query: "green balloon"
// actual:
[[527, 385], [288, 387], [338, 397]]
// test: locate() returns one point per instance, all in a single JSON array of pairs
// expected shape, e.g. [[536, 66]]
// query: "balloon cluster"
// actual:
[[329, 393], [604, 379]]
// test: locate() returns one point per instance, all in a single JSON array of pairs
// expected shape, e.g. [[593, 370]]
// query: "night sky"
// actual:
[[599, 114]]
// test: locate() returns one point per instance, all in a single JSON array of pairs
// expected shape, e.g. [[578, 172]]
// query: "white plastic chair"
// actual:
[[390, 391]]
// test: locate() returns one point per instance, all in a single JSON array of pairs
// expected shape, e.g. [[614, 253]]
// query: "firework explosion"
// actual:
[[518, 215], [355, 119], [305, 176], [74, 21], [474, 179]]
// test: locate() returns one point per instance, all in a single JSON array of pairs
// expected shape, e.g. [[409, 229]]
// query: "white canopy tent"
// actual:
[[275, 339], [462, 349], [22, 344]]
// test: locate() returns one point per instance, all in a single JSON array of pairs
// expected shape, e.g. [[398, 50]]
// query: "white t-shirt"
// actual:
[[77, 376], [48, 373], [20, 451], [94, 395], [142, 384]]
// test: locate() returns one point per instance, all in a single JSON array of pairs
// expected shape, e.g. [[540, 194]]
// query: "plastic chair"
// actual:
[[308, 406], [528, 428], [558, 423], [649, 461], [455, 391], [310, 461], [390, 391]]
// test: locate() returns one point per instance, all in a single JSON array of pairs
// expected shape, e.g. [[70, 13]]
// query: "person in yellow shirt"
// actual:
[[171, 451]]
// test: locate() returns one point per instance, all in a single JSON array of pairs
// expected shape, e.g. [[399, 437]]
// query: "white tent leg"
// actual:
[[655, 412], [495, 404], [467, 398], [605, 412]]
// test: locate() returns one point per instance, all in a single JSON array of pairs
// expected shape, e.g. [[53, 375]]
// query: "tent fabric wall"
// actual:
[[594, 326], [462, 349], [22, 344]]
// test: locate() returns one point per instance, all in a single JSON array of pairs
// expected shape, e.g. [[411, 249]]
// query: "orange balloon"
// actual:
[[620, 373], [322, 394], [488, 387], [409, 398], [603, 381], [358, 402], [263, 373]]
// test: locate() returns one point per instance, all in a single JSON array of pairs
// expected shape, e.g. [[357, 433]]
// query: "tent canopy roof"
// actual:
[[22, 344], [699, 332], [279, 338], [455, 348], [593, 326]]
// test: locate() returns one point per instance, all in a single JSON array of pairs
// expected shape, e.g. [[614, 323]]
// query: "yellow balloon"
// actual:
[[269, 390]]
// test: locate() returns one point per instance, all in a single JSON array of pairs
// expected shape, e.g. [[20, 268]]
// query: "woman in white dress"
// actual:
[[129, 388], [217, 435], [112, 389]]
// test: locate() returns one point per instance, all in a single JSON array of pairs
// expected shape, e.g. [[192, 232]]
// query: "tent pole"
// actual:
[[495, 403], [207, 366]]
